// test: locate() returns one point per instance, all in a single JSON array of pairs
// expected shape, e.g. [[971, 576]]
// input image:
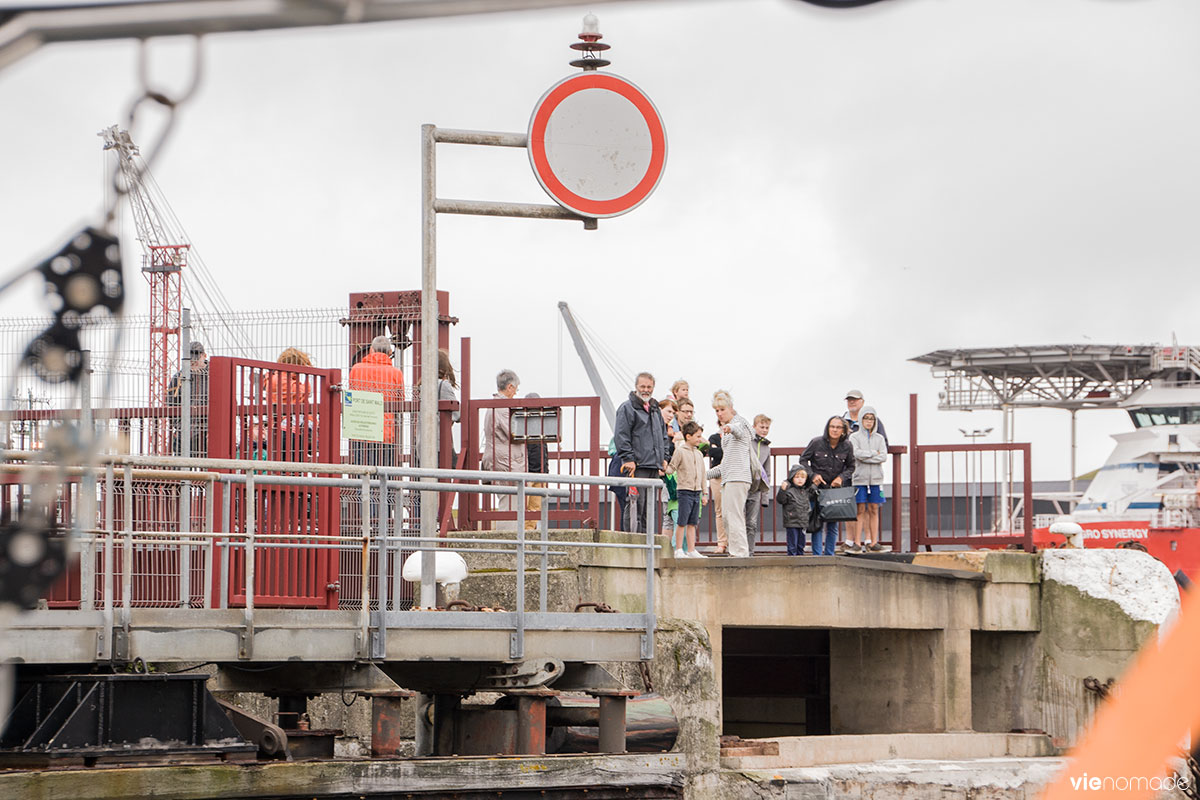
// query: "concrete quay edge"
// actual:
[[812, 751]]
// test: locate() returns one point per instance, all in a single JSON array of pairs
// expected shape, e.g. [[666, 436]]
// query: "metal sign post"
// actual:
[[611, 173]]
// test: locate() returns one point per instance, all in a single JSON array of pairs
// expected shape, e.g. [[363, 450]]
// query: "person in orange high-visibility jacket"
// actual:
[[375, 373]]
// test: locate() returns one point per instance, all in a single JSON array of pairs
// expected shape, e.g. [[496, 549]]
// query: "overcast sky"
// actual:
[[844, 189]]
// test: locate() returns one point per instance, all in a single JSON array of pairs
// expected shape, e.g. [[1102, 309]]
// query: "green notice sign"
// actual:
[[362, 415]]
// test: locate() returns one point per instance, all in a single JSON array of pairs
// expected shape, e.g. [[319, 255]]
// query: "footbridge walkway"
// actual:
[[252, 562]]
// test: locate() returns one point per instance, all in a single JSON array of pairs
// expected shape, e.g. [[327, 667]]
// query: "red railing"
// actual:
[[772, 535], [977, 500], [579, 421]]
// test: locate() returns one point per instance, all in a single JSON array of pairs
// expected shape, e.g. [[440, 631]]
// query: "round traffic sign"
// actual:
[[597, 144]]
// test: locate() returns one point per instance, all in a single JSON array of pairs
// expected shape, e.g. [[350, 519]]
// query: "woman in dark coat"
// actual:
[[831, 461]]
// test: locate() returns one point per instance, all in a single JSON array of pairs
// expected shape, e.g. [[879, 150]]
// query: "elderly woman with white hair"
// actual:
[[734, 471], [499, 451]]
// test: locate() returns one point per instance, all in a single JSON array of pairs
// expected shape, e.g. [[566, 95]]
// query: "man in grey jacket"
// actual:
[[641, 440]]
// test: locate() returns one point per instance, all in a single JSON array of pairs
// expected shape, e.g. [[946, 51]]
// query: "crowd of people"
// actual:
[[838, 478]]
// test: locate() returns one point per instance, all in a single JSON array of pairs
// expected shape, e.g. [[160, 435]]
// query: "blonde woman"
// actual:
[[734, 471]]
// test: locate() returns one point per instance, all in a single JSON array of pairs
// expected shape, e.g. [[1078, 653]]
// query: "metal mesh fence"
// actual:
[[119, 352]]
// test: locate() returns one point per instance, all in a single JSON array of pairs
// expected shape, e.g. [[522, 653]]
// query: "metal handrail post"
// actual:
[[251, 512], [86, 517], [127, 566], [104, 648], [226, 556], [428, 422], [398, 544], [381, 548], [397, 578], [648, 637], [1027, 495], [210, 513], [544, 525], [185, 550], [185, 450], [364, 620], [517, 644], [185, 385]]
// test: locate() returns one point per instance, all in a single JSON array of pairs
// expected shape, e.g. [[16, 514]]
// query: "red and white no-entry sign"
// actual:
[[597, 144]]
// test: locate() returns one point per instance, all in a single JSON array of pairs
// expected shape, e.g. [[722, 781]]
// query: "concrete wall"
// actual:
[[1081, 637], [887, 681], [1003, 679], [900, 643], [951, 642]]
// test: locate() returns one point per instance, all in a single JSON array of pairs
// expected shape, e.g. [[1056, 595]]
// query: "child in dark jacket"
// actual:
[[795, 497]]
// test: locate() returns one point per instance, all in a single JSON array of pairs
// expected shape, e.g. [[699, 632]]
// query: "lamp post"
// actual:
[[973, 435]]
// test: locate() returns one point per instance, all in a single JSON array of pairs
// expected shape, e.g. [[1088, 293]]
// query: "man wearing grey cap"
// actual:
[[854, 404]]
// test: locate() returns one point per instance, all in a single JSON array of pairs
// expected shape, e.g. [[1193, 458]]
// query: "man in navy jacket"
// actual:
[[641, 439]]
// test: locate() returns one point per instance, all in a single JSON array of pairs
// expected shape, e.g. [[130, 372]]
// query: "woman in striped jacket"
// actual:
[[734, 471]]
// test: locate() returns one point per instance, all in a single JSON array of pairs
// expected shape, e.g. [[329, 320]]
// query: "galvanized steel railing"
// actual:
[[178, 533]]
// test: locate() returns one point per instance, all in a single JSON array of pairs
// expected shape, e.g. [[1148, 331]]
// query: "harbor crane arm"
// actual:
[[166, 254], [589, 366]]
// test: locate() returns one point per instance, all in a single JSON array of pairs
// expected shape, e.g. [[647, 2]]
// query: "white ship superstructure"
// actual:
[[1151, 473]]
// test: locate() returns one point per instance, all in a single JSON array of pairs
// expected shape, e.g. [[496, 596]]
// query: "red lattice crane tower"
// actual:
[[166, 254]]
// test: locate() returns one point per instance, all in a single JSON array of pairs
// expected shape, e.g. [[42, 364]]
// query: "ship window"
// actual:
[[1160, 416]]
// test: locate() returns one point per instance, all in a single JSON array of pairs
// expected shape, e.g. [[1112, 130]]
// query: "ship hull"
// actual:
[[1178, 548]]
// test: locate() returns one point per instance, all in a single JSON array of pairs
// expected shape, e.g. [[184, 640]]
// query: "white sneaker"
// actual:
[[680, 554], [696, 554]]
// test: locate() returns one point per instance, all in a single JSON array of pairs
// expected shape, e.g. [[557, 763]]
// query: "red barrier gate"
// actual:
[[981, 494], [577, 452], [266, 411]]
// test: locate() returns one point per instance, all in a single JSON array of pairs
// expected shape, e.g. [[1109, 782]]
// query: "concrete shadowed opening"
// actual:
[[775, 682]]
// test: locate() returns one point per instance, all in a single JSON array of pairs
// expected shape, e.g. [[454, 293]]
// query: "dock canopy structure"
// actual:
[[1067, 376]]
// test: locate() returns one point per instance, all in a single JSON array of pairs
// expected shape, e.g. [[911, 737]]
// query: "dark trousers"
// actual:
[[639, 520], [795, 541]]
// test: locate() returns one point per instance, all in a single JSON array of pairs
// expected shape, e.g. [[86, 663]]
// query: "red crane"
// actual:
[[166, 254]]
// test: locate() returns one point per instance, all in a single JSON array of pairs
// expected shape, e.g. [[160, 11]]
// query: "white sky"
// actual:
[[844, 190]]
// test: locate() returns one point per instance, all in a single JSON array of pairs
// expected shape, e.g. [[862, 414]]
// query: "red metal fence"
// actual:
[[576, 452], [974, 495], [772, 535], [266, 411]]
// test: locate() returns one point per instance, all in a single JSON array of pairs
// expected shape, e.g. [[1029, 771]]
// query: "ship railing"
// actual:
[[1173, 518], [1178, 498], [209, 535], [1176, 357]]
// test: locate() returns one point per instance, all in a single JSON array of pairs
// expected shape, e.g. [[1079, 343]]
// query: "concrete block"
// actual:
[[1077, 622], [1014, 606], [965, 560], [612, 557], [808, 751], [1000, 566], [1010, 566], [623, 588], [498, 589], [491, 562]]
